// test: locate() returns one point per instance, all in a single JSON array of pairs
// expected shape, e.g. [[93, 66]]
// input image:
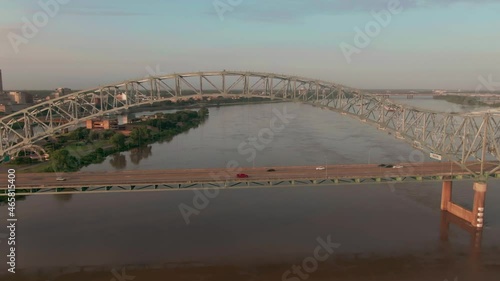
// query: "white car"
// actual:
[[397, 167], [320, 168], [60, 179]]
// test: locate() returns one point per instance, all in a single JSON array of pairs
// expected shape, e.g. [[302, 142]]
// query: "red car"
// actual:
[[242, 176]]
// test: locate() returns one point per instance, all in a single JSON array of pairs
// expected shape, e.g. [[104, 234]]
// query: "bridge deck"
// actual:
[[144, 180]]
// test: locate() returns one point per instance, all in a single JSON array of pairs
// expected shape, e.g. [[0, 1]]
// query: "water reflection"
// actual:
[[63, 197], [119, 161], [140, 153], [476, 236]]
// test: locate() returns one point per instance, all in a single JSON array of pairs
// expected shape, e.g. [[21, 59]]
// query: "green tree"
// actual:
[[140, 135], [100, 152], [203, 113], [79, 134], [93, 135], [63, 161], [60, 155], [118, 140], [106, 134]]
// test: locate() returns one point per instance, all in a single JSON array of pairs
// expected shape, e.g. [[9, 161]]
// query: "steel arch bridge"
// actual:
[[458, 137]]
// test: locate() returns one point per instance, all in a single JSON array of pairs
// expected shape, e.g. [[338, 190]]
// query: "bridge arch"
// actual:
[[460, 137]]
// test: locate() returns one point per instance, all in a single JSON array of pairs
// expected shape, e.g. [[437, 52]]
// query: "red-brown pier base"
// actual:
[[474, 217], [470, 221]]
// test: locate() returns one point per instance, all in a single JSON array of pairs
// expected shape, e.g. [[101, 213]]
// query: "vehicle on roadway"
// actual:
[[242, 176], [320, 168], [397, 166], [271, 170], [60, 179], [386, 165]]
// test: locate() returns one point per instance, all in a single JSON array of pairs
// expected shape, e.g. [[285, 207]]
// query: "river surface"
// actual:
[[377, 232]]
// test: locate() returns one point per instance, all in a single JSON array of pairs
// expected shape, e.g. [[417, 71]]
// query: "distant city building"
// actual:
[[99, 124], [29, 98], [19, 107], [60, 92], [5, 108], [439, 92], [121, 97], [17, 97], [5, 99], [20, 98], [5, 104]]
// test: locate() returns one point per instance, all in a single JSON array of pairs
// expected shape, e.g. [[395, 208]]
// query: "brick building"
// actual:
[[99, 124]]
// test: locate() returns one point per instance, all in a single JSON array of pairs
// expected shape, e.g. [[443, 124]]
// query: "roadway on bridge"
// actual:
[[213, 175]]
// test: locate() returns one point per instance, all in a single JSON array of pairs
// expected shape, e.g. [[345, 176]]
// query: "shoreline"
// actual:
[[467, 101], [79, 156]]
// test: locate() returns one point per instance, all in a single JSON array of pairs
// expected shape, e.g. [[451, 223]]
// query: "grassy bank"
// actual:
[[82, 147]]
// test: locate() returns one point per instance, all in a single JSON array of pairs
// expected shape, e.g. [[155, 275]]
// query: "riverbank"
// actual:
[[466, 101], [82, 147]]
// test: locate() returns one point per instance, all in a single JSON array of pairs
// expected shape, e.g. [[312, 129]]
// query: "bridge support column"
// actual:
[[475, 216], [479, 200], [446, 194]]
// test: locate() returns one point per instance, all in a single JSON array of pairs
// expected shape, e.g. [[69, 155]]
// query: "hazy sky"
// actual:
[[430, 44]]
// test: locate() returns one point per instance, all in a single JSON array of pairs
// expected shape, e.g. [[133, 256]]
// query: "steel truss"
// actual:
[[459, 137]]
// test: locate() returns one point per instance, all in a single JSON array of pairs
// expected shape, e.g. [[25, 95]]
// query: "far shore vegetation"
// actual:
[[465, 100]]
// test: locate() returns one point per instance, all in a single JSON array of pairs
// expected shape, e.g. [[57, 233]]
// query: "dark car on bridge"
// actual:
[[242, 176]]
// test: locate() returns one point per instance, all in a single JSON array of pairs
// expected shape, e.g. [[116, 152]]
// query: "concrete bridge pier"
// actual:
[[446, 194], [479, 201], [474, 217]]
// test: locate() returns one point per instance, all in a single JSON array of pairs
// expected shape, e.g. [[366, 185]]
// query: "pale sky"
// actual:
[[428, 44]]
